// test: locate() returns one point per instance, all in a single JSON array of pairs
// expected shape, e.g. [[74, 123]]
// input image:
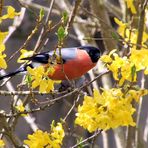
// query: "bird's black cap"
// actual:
[[93, 52]]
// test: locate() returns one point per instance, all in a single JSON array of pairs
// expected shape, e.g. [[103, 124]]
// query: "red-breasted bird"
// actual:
[[76, 62]]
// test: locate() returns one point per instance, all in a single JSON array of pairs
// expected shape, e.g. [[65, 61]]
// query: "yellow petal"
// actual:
[[24, 54], [3, 63]]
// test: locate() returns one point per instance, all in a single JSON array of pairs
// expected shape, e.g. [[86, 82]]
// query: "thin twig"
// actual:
[[49, 103], [27, 40], [46, 25], [73, 14], [12, 93], [78, 90], [38, 6], [87, 139]]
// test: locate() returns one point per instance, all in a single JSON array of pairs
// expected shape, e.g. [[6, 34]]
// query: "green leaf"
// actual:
[[79, 141], [41, 15], [28, 80], [61, 33], [115, 36], [64, 16], [133, 72]]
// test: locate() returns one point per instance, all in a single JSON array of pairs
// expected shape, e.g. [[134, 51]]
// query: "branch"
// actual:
[[87, 139], [1, 7], [44, 28], [12, 93], [73, 14], [141, 22]]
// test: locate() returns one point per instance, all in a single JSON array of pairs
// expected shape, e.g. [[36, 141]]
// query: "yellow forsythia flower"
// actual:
[[122, 27], [121, 67], [124, 68], [40, 78], [140, 59], [3, 63], [130, 34], [24, 54], [136, 94], [110, 109], [20, 107], [57, 133], [41, 139], [2, 144], [10, 13], [130, 5], [38, 139]]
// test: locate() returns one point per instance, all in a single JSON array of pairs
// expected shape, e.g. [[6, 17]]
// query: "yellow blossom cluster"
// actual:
[[130, 34], [124, 68], [109, 109], [10, 15], [39, 76], [40, 139]]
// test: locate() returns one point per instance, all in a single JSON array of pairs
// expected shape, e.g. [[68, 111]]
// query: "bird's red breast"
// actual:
[[73, 68]]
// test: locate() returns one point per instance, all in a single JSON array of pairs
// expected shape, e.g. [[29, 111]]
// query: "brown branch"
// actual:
[[141, 22], [1, 7], [49, 103], [77, 90], [73, 14], [12, 93]]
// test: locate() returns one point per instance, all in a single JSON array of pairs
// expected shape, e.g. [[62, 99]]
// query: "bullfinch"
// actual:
[[76, 61]]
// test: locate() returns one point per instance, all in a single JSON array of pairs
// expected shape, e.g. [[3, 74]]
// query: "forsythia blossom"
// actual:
[[2, 144], [120, 67], [10, 14], [140, 59], [130, 34], [124, 68], [20, 107], [3, 63], [40, 78], [110, 109], [41, 139], [130, 5], [24, 54]]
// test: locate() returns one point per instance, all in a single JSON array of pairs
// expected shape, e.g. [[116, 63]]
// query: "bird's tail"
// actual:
[[11, 74]]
